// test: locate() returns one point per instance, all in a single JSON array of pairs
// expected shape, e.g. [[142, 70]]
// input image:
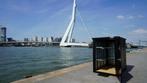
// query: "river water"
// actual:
[[17, 62]]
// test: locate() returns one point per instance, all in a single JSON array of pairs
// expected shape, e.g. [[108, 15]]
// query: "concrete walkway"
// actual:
[[136, 73]]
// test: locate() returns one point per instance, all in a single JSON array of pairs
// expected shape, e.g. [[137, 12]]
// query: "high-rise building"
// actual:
[[73, 40], [50, 39], [41, 39], [47, 39], [57, 39], [26, 39], [10, 39], [36, 39], [3, 34]]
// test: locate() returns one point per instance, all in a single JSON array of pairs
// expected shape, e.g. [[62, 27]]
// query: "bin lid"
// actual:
[[108, 38]]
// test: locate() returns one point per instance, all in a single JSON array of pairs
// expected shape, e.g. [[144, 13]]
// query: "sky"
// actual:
[[45, 18]]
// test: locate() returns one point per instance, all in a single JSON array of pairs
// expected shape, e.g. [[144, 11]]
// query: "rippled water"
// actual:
[[17, 62]]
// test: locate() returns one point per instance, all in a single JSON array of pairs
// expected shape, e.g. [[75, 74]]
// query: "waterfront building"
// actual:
[[57, 39], [44, 39], [32, 40], [73, 40], [50, 39], [3, 34], [41, 39], [47, 39], [36, 39], [26, 39], [10, 39]]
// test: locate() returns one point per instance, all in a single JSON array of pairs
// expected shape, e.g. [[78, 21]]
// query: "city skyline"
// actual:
[[28, 18]]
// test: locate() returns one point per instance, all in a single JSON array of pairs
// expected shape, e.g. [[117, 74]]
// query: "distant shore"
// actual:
[[28, 44]]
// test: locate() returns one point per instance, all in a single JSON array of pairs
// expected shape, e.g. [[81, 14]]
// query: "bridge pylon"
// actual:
[[67, 37]]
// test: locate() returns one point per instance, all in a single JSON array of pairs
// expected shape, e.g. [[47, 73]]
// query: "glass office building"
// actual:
[[3, 34]]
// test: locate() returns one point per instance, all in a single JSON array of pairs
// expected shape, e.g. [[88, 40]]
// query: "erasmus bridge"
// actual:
[[66, 40], [67, 37]]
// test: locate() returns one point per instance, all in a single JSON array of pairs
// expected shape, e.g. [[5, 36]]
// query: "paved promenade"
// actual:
[[136, 72]]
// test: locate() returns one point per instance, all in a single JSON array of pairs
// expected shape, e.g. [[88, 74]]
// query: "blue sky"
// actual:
[[45, 18]]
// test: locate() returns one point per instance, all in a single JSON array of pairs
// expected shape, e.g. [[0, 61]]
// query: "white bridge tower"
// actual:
[[67, 37]]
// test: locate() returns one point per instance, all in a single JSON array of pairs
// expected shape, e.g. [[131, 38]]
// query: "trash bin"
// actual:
[[109, 55]]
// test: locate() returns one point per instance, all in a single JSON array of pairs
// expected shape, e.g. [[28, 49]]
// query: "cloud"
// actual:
[[120, 17], [140, 16], [135, 17], [129, 17], [139, 31], [137, 34], [107, 34]]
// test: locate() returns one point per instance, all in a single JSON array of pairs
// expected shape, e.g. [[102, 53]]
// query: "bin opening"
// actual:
[[110, 70]]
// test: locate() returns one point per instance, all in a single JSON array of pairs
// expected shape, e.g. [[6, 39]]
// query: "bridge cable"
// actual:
[[84, 25]]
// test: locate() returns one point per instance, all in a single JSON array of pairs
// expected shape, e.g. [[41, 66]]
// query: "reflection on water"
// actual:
[[66, 56], [17, 62], [66, 53]]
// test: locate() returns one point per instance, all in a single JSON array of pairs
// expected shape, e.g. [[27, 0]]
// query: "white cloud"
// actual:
[[107, 34], [140, 16], [140, 31], [121, 17], [137, 34], [130, 17]]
